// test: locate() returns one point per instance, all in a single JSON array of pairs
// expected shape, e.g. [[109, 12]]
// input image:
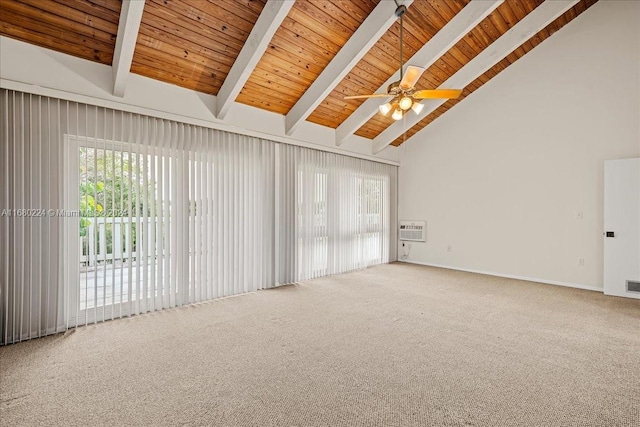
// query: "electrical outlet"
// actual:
[[581, 261]]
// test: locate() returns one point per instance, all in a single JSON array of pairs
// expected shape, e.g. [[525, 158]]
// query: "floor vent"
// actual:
[[633, 286]]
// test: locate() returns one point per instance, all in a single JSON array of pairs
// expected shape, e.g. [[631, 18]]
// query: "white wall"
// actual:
[[37, 70], [502, 177]]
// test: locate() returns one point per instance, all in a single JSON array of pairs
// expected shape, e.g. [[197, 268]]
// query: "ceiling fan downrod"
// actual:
[[400, 11]]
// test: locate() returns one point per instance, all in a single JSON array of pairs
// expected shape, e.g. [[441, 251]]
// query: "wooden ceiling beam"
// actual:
[[270, 19], [367, 34], [531, 24], [467, 19], [128, 27]]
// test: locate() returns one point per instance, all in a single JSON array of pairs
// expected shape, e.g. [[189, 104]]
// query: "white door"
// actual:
[[622, 227]]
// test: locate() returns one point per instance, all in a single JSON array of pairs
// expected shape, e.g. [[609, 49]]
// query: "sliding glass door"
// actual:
[[119, 201]]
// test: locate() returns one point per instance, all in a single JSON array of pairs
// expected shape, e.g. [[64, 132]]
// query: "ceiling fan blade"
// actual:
[[375, 95], [411, 76], [437, 94]]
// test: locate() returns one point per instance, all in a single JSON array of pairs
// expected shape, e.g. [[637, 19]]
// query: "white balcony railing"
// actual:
[[97, 247]]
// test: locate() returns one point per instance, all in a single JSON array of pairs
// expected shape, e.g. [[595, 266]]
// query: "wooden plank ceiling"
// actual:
[[82, 28], [194, 43], [308, 39]]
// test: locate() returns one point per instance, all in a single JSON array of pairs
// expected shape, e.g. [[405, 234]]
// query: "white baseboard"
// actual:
[[508, 276]]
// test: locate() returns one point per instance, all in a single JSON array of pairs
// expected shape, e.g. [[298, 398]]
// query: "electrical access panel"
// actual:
[[415, 231]]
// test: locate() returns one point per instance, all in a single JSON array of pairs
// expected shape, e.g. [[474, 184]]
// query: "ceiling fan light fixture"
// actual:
[[385, 108], [397, 114], [405, 103], [417, 107]]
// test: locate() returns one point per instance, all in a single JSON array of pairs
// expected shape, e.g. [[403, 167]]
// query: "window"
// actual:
[[343, 213]]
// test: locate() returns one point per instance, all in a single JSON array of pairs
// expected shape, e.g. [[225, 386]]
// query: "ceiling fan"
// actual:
[[403, 92]]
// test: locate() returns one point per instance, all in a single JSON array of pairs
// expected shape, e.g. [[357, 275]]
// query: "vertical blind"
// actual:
[[105, 214], [343, 209]]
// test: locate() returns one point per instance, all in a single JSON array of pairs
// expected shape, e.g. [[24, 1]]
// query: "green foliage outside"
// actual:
[[111, 186]]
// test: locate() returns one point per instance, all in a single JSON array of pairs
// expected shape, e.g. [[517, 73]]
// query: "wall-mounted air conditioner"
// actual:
[[415, 231]]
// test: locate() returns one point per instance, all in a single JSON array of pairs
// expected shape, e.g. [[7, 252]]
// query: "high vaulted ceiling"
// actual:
[[301, 58]]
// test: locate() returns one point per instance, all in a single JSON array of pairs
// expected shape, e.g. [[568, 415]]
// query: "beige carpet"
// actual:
[[393, 345]]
